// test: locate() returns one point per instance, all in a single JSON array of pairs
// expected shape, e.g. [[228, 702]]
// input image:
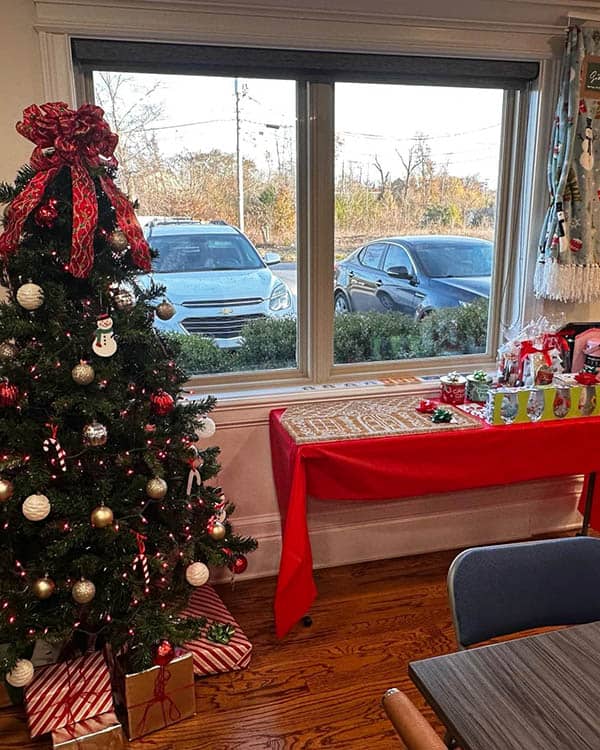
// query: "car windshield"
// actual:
[[458, 258], [198, 252]]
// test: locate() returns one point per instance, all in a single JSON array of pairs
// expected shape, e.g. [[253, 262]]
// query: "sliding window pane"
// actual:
[[212, 163], [416, 171]]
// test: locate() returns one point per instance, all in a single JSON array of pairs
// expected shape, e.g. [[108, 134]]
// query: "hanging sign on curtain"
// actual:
[[590, 80]]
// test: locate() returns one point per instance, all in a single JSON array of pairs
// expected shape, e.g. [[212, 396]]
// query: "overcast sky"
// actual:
[[372, 121]]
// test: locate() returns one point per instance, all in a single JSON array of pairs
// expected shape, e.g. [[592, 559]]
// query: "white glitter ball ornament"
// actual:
[[36, 507], [205, 429], [30, 296], [21, 674], [197, 574]]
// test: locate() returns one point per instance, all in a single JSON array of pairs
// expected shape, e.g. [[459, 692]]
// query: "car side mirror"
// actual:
[[272, 258], [400, 272]]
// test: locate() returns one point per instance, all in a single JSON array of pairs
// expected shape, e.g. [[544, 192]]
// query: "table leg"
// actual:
[[589, 501]]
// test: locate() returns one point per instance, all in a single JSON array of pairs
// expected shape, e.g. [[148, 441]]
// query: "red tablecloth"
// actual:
[[408, 466]]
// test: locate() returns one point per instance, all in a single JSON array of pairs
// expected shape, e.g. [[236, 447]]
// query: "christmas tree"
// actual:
[[107, 514]]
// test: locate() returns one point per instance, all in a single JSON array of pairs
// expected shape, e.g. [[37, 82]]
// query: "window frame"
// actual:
[[315, 242]]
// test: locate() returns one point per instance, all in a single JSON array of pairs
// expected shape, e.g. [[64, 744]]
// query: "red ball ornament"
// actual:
[[9, 394], [162, 403], [239, 565], [46, 214], [165, 653]]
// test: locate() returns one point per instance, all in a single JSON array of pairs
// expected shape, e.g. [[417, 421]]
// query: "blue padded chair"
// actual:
[[507, 588]]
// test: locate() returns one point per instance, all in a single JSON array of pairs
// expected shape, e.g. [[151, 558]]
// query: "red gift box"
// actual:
[[209, 657], [68, 692]]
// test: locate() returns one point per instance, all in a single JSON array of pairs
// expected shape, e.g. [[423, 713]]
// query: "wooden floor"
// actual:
[[320, 686]]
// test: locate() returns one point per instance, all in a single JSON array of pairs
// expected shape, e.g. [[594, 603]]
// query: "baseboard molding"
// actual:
[[348, 532]]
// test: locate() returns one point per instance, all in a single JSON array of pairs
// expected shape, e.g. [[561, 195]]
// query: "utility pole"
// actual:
[[239, 157]]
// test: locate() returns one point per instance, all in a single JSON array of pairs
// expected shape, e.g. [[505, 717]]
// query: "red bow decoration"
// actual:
[[82, 141], [586, 378], [528, 348]]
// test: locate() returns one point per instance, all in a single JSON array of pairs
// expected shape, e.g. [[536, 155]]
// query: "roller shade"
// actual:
[[249, 62]]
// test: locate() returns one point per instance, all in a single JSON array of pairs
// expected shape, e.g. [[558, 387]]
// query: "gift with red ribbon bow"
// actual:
[[65, 693], [158, 696], [82, 142]]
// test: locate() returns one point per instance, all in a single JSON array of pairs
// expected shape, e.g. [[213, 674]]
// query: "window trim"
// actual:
[[315, 170]]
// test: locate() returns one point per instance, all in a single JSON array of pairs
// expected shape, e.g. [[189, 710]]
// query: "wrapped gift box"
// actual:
[[156, 697], [100, 733], [67, 693], [209, 657]]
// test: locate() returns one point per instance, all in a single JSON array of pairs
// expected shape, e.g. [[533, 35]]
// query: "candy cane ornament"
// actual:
[[141, 559], [52, 442]]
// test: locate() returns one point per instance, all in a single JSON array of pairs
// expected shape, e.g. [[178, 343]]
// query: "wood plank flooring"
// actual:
[[320, 686]]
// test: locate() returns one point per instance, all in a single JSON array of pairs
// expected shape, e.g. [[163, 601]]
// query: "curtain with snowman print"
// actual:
[[568, 267]]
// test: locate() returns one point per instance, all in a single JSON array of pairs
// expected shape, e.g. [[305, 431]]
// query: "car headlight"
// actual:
[[281, 298]]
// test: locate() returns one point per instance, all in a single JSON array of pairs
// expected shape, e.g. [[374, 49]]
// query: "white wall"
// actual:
[[34, 62]]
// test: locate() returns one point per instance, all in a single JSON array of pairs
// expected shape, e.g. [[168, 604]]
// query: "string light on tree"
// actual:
[[9, 394]]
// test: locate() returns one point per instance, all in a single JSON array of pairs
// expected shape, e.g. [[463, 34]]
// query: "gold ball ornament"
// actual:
[[124, 300], [83, 591], [6, 490], [118, 241], [30, 296], [36, 507], [21, 674], [8, 350], [83, 373], [165, 310], [197, 574], [102, 516], [95, 434], [43, 588], [218, 531], [156, 488]]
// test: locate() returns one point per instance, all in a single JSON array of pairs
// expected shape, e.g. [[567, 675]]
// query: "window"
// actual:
[[316, 214]]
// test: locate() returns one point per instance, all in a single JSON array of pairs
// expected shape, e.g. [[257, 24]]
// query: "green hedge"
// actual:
[[270, 343]]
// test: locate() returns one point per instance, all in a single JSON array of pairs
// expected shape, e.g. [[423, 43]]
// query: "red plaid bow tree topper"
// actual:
[[82, 141]]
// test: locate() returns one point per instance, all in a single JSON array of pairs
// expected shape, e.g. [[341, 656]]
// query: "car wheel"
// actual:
[[341, 304], [386, 302]]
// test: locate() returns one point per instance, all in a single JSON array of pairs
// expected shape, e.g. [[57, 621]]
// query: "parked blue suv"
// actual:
[[414, 275], [215, 278]]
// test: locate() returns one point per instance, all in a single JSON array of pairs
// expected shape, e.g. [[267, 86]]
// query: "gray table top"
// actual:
[[539, 691]]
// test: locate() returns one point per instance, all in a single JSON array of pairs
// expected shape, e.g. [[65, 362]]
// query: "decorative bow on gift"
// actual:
[[82, 141]]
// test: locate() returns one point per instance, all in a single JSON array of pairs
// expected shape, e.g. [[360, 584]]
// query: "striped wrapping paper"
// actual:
[[209, 657], [68, 692]]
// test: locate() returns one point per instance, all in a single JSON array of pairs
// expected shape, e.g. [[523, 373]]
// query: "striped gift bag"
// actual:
[[68, 692], [209, 657]]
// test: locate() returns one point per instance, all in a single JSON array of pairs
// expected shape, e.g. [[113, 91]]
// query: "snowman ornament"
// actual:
[[104, 341]]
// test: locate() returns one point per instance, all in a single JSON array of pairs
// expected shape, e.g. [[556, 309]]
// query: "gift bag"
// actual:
[[211, 657], [67, 693], [156, 697], [100, 733]]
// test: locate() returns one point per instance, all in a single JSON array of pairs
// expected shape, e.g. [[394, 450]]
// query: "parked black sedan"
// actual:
[[414, 275]]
